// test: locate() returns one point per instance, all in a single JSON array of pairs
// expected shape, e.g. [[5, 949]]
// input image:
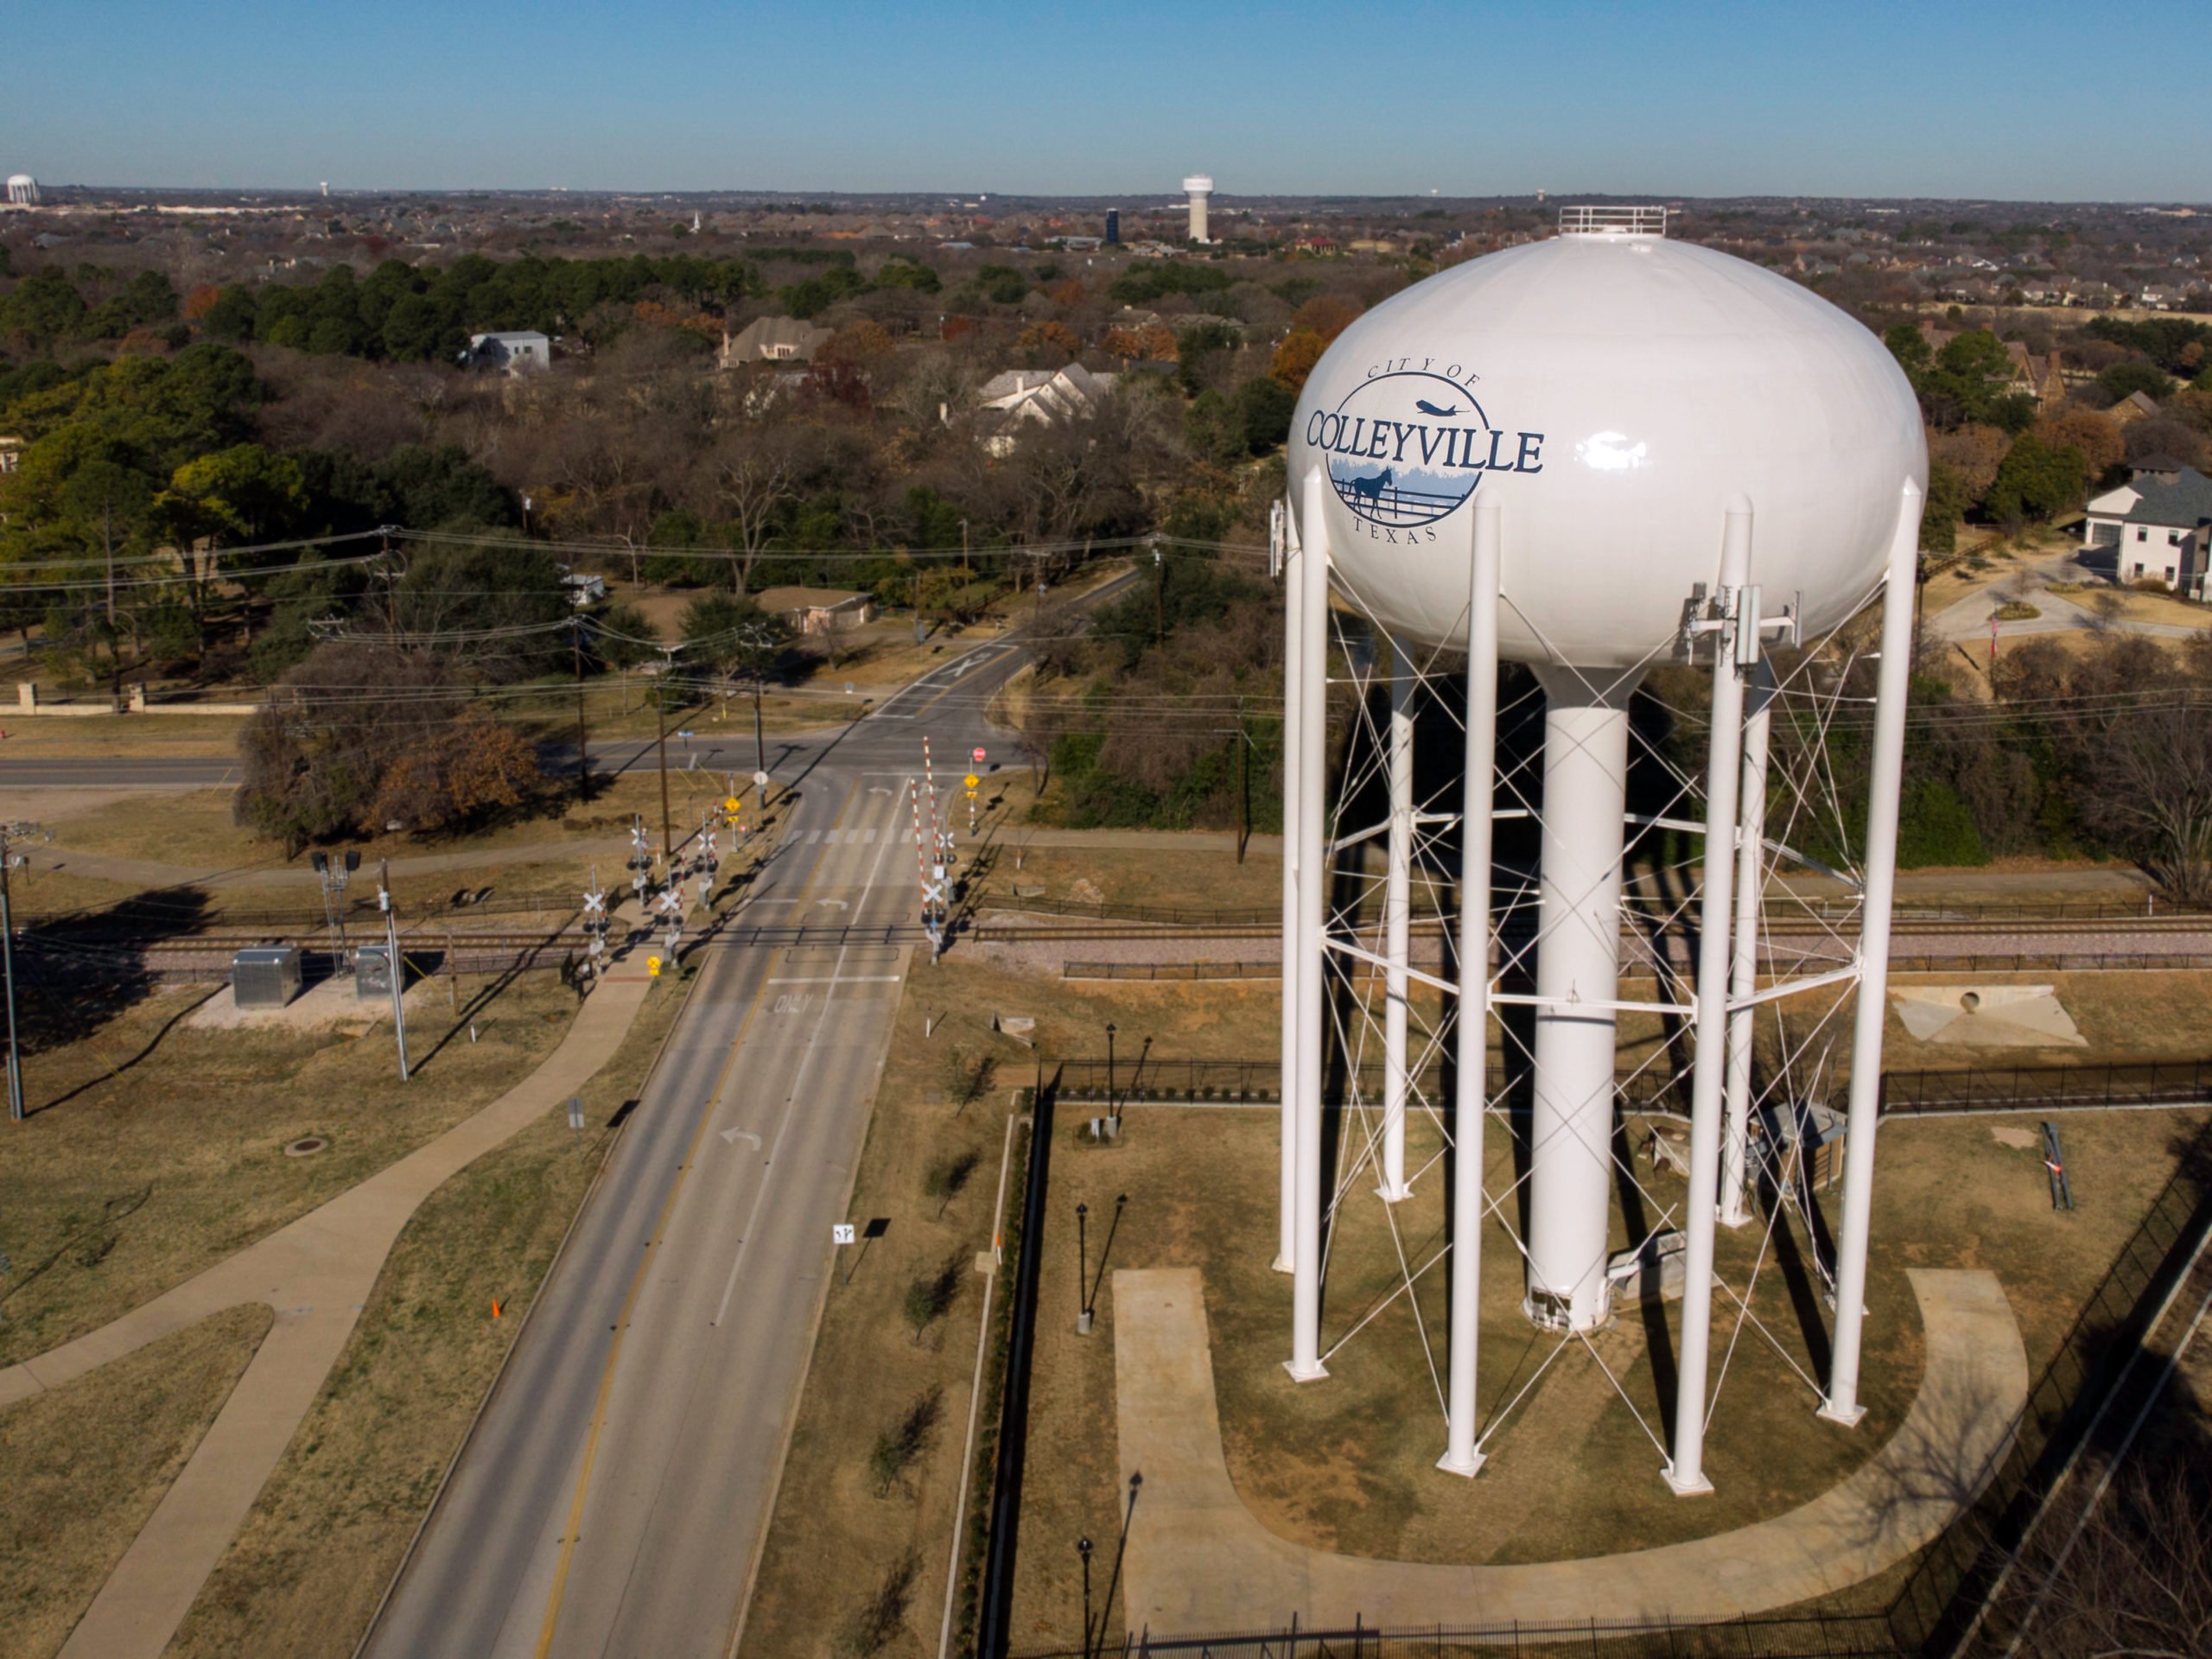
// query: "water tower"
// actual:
[[1200, 188], [22, 190], [1592, 455]]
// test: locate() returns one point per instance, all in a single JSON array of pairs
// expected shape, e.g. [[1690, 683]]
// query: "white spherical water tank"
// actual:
[[1615, 392]]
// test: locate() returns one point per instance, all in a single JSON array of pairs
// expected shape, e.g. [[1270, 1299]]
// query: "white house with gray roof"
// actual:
[[1037, 397], [2155, 527]]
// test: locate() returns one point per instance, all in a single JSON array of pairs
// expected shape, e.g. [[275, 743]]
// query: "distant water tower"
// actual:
[[1113, 227], [22, 192], [1200, 187]]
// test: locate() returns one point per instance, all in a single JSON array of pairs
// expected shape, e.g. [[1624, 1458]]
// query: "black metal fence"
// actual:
[[1833, 1636], [1130, 1080], [1148, 1079], [2030, 1088]]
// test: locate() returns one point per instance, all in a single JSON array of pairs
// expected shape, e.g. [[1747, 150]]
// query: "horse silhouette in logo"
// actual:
[[1426, 408], [1372, 488]]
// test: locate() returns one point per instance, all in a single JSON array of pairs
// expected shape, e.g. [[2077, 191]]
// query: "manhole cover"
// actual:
[[306, 1147]]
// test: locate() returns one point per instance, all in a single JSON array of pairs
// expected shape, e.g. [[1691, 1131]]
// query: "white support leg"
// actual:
[[1397, 917], [1311, 692], [1292, 661], [1470, 1105], [1886, 786], [1708, 1077], [1577, 976], [1744, 977]]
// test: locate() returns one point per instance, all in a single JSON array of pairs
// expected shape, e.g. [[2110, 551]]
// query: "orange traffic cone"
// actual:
[[495, 1307]]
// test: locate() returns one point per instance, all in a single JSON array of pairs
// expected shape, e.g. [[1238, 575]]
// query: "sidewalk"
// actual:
[[1198, 1560], [316, 1273]]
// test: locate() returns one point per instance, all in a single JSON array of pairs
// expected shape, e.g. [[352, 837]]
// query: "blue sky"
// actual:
[[2011, 100]]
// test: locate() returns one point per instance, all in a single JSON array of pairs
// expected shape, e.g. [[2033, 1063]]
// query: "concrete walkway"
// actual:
[[316, 1273], [1199, 1561]]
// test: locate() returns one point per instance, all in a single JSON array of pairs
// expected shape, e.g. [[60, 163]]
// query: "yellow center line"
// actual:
[[574, 1531]]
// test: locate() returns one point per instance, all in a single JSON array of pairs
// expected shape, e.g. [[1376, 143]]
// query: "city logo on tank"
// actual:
[[1409, 443]]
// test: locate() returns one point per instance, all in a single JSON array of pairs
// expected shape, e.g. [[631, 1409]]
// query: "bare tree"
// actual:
[[2136, 1578], [2149, 777], [746, 481]]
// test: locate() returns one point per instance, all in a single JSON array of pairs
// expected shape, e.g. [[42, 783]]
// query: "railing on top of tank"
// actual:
[[1592, 220]]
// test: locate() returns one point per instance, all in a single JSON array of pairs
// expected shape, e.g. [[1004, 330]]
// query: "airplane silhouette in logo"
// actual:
[[1431, 408]]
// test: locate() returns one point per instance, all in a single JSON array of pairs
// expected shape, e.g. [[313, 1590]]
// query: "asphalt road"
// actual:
[[614, 1497]]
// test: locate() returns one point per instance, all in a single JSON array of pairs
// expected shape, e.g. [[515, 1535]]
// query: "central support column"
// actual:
[[1578, 962], [1397, 925]]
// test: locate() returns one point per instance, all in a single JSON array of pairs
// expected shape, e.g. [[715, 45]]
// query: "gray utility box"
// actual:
[[265, 976], [372, 970]]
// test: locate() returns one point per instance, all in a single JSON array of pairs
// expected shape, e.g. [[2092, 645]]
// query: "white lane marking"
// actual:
[[836, 979], [813, 1048], [731, 1137]]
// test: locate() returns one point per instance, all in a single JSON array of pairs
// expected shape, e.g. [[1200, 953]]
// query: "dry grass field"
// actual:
[[83, 1466], [152, 1149]]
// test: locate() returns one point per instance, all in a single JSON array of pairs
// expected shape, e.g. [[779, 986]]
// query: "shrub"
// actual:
[[948, 1177], [875, 1623], [930, 1296], [898, 1445]]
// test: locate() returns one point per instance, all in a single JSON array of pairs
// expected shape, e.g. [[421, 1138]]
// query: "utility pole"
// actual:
[[660, 701], [107, 540], [10, 859], [398, 968], [1243, 787], [583, 749]]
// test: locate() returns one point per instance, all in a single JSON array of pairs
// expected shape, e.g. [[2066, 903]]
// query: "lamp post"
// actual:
[[1081, 1271], [1113, 1107], [1083, 1548]]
